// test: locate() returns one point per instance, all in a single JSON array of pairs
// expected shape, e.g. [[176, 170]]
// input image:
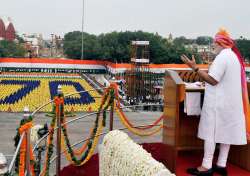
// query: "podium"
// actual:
[[180, 131]]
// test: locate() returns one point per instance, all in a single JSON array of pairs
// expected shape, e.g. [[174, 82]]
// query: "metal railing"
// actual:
[[42, 106], [70, 122], [87, 115], [33, 115], [15, 154], [101, 134]]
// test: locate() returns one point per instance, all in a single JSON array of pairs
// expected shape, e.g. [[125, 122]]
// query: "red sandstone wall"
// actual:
[[2, 29]]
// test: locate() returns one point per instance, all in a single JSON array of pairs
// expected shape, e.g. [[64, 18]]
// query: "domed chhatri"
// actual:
[[7, 29]]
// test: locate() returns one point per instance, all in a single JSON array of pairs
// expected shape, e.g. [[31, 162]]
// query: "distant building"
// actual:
[[33, 44], [56, 46], [7, 29], [199, 48], [36, 46], [170, 38]]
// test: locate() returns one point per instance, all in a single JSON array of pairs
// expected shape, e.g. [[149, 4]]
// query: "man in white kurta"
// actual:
[[222, 118]]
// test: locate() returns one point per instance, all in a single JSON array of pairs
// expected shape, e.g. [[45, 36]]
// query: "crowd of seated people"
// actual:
[[18, 92]]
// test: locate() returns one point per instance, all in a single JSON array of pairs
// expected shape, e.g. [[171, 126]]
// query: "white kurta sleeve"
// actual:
[[218, 68]]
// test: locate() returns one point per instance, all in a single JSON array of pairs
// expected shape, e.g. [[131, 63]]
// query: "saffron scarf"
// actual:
[[224, 40]]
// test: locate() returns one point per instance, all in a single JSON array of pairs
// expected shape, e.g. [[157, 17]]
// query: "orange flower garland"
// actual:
[[23, 129], [89, 146], [136, 131], [96, 136]]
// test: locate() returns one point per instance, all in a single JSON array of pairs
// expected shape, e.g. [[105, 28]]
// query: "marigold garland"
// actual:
[[59, 101], [23, 130], [90, 153], [95, 143], [140, 128], [70, 150], [49, 150], [134, 130], [92, 142], [86, 151], [17, 138], [22, 158], [126, 119]]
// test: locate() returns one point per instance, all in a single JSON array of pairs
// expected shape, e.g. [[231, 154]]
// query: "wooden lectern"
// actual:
[[180, 131]]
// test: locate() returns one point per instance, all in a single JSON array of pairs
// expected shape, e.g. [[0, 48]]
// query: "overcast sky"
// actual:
[[190, 18]]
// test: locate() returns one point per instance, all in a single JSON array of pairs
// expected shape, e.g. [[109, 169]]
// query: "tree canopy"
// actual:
[[116, 46], [204, 40], [11, 49], [244, 47]]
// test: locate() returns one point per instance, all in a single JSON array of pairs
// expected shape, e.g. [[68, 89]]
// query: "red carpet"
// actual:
[[91, 168]]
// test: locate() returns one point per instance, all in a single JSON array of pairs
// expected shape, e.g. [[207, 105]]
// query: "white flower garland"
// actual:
[[33, 133], [120, 156]]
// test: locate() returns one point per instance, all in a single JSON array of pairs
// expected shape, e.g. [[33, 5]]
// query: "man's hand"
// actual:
[[204, 75], [190, 62]]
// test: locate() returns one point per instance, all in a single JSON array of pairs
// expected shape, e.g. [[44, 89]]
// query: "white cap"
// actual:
[[112, 80], [3, 161], [26, 109], [59, 89], [26, 112]]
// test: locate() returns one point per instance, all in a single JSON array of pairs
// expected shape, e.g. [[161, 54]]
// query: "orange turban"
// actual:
[[223, 39]]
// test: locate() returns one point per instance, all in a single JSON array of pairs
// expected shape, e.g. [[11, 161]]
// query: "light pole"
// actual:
[[52, 43], [82, 55]]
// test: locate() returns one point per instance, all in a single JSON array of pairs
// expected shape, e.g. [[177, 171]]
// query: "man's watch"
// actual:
[[196, 69]]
